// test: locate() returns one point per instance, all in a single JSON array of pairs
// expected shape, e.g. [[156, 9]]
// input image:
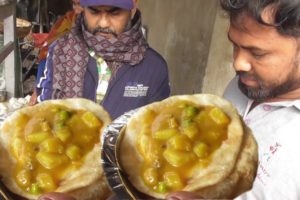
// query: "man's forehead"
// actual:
[[104, 8], [241, 22]]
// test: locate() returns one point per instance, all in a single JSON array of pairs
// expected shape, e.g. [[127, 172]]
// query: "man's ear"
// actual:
[[134, 9]]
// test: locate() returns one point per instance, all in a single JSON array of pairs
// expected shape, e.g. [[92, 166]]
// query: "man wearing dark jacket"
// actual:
[[105, 58]]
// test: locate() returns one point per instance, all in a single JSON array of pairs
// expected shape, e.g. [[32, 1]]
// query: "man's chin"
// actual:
[[254, 93], [105, 35], [245, 88]]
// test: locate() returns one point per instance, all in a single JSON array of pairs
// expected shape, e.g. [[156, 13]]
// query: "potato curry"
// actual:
[[178, 140], [51, 143]]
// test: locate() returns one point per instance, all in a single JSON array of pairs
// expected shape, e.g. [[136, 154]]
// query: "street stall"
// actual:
[[12, 33], [24, 27], [8, 50]]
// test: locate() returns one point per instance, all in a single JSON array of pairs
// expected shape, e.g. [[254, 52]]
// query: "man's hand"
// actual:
[[56, 196], [183, 196], [33, 98]]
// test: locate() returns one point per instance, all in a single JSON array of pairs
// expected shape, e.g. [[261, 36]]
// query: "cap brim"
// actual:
[[115, 3]]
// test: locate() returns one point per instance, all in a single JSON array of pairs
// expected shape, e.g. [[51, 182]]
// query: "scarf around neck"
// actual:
[[70, 55]]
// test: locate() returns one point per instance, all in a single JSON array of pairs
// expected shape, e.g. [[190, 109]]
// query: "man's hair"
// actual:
[[286, 13]]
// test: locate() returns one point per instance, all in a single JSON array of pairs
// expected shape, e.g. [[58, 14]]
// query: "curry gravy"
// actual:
[[51, 143], [178, 140]]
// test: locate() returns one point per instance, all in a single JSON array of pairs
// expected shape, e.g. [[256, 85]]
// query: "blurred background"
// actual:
[[191, 35]]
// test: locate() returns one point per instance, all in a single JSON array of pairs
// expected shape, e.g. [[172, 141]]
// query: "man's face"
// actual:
[[106, 20], [267, 63]]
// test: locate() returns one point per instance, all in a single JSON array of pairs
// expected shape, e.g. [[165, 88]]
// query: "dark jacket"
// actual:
[[132, 87]]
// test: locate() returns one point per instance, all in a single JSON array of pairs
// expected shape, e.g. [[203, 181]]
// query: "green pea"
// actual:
[[64, 115], [162, 187], [191, 111], [186, 122], [59, 125], [35, 189]]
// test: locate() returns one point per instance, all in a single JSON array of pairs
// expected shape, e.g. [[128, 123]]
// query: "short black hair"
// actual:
[[286, 16]]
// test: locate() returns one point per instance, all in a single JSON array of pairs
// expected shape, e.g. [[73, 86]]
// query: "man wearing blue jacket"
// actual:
[[105, 58]]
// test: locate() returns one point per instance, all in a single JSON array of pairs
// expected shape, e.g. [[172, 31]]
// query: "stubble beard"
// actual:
[[263, 92], [94, 31]]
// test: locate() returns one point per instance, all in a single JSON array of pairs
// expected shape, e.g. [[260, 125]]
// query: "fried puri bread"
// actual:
[[54, 146], [195, 143]]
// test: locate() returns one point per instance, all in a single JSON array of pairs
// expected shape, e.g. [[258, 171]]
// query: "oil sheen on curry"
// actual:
[[178, 140], [49, 144]]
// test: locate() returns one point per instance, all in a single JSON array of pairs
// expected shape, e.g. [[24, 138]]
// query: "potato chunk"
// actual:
[[26, 157], [191, 130], [201, 149], [51, 160], [180, 142], [91, 120], [165, 134], [144, 144], [23, 178], [45, 126], [52, 145], [75, 123], [149, 150], [45, 182], [73, 152], [173, 180], [218, 116], [150, 176], [37, 137], [173, 123], [177, 158], [64, 134], [16, 146]]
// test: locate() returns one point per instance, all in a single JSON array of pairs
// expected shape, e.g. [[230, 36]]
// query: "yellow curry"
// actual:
[[50, 144], [176, 141]]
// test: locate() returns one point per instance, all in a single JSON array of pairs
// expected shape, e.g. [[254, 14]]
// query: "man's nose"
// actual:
[[103, 21], [241, 62]]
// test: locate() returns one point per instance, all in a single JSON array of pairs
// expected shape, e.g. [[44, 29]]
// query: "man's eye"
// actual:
[[258, 54], [94, 12], [115, 13]]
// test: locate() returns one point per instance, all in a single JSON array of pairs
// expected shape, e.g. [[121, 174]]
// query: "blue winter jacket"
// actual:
[[132, 87]]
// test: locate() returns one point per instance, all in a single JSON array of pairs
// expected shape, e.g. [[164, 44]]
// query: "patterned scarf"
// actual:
[[70, 56], [62, 26]]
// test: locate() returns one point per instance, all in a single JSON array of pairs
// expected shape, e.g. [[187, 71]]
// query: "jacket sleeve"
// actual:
[[163, 91], [44, 85], [162, 85]]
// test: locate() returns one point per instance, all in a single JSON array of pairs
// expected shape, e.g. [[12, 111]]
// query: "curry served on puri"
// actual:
[[190, 143], [181, 139], [53, 143]]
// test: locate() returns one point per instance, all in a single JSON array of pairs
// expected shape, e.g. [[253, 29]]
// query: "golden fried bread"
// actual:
[[54, 146], [194, 143]]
